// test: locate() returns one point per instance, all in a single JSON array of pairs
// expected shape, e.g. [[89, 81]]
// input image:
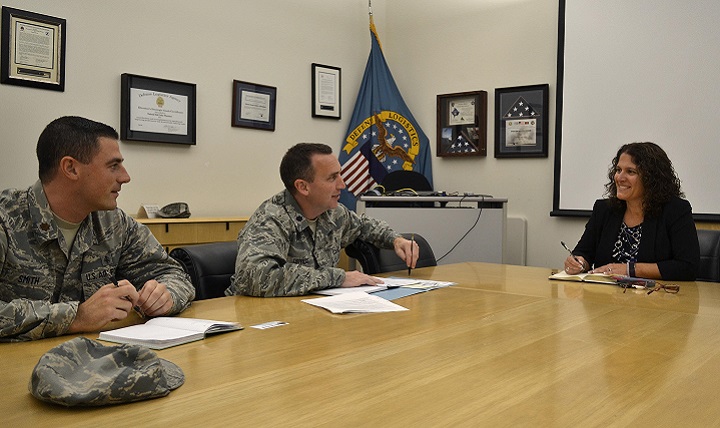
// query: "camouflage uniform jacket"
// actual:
[[41, 285], [279, 256]]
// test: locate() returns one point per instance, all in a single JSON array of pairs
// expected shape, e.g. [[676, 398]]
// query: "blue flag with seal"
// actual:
[[383, 135]]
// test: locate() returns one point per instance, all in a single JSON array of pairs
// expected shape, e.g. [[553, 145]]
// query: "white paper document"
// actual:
[[423, 284], [390, 282], [356, 302], [429, 285], [158, 112]]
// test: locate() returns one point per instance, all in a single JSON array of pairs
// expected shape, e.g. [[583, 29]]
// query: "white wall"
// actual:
[[432, 47], [468, 45], [230, 170]]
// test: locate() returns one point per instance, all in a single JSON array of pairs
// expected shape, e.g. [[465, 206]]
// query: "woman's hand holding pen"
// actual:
[[575, 264]]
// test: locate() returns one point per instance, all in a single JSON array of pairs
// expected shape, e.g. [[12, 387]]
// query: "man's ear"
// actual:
[[68, 168], [302, 186]]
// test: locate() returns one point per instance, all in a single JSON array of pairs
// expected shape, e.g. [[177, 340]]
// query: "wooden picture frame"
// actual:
[[521, 121], [32, 52], [253, 105], [462, 124], [157, 110]]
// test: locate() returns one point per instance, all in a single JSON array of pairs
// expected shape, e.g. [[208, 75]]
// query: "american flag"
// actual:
[[383, 136], [520, 109]]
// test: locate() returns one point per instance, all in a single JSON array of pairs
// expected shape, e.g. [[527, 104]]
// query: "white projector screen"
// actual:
[[640, 70]]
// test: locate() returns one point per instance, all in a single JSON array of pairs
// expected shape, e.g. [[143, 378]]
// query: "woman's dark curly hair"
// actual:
[[657, 175]]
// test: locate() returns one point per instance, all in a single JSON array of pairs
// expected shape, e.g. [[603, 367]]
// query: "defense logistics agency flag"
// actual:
[[383, 135]]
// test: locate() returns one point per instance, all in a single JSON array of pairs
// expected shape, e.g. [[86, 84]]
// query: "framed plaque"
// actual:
[[33, 50], [462, 124], [157, 110], [326, 91], [253, 106], [521, 121]]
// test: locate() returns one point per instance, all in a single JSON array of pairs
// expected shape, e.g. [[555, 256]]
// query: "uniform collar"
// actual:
[[286, 199], [44, 224], [42, 217]]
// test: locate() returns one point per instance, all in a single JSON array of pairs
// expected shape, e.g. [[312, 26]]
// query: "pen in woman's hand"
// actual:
[[582, 265]]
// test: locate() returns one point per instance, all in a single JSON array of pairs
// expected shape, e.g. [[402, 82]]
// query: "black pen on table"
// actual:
[[412, 251], [573, 255]]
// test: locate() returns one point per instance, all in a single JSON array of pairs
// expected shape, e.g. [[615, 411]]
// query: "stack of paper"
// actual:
[[391, 282], [425, 284], [355, 302]]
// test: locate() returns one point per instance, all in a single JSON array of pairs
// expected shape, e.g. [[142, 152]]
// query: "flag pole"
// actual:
[[372, 24]]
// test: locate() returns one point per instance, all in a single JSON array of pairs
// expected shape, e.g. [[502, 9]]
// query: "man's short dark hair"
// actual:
[[72, 136], [297, 163]]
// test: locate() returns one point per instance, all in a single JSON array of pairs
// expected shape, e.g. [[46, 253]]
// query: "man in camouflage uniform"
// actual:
[[70, 260], [291, 244]]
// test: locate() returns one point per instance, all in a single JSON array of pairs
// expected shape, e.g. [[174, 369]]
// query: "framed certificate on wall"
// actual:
[[157, 110], [521, 121], [326, 88], [253, 105], [33, 50], [462, 124]]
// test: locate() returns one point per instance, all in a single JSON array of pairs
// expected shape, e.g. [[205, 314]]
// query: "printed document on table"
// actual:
[[424, 284], [357, 302], [388, 283]]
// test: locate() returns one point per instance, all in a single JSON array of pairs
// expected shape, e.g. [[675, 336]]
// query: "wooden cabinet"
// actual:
[[176, 232]]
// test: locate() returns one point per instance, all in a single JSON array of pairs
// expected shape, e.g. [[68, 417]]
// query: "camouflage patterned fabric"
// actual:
[[279, 256], [41, 285], [83, 372]]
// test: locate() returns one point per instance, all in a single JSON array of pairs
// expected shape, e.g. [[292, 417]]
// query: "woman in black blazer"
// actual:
[[644, 228]]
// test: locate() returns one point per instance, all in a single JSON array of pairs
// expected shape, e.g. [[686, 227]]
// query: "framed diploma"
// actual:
[[462, 124], [521, 121], [33, 50], [253, 105], [157, 110], [325, 91]]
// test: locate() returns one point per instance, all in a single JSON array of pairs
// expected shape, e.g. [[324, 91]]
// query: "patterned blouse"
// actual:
[[626, 246]]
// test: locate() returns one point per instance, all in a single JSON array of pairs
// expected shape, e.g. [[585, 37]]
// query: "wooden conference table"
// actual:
[[503, 347]]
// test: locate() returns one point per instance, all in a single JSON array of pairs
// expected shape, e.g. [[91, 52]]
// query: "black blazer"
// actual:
[[670, 240]]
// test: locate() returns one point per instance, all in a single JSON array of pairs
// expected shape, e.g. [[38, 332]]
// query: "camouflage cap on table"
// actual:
[[83, 372]]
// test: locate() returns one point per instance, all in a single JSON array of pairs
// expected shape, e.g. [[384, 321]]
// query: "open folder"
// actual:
[[585, 277]]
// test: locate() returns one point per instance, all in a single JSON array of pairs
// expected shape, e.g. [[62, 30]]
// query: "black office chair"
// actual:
[[209, 266], [402, 179], [374, 260], [709, 255]]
